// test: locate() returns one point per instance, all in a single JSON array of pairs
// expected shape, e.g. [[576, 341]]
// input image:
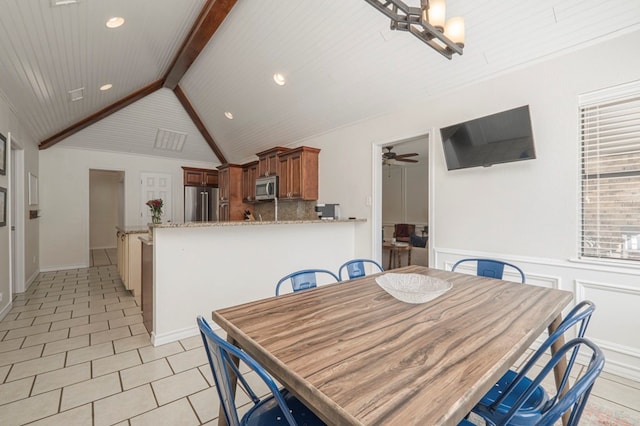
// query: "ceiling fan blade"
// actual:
[[413, 154], [406, 160]]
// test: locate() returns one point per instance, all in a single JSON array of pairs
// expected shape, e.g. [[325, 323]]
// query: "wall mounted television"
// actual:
[[498, 138]]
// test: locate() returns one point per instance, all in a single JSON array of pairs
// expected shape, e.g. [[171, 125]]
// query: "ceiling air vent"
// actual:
[[76, 94], [168, 140]]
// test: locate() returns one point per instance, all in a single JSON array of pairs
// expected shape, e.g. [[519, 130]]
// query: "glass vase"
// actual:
[[155, 218]]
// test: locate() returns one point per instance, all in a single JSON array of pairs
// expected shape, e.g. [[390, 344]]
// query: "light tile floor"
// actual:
[[103, 257], [73, 351]]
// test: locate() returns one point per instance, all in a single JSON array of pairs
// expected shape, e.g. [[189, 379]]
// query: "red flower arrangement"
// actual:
[[156, 209]]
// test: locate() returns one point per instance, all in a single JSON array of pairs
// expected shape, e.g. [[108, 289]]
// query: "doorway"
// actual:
[[403, 192], [106, 212]]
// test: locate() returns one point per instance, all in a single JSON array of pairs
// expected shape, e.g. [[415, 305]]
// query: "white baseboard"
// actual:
[[31, 279], [172, 336], [63, 267], [5, 310]]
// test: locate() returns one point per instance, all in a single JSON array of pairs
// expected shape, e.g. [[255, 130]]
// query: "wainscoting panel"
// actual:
[[617, 333], [615, 323]]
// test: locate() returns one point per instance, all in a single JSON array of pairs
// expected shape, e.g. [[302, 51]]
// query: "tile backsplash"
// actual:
[[287, 210]]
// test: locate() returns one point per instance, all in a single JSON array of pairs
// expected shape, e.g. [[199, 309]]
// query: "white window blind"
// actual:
[[610, 164]]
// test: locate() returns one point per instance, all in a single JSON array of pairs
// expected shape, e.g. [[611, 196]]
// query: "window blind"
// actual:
[[610, 179]]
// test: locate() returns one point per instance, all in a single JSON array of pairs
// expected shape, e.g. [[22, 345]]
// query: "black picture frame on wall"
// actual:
[[3, 155], [3, 207]]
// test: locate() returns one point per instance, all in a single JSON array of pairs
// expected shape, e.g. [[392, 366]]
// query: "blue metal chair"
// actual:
[[304, 279], [356, 268], [546, 412], [507, 391], [490, 268], [280, 405]]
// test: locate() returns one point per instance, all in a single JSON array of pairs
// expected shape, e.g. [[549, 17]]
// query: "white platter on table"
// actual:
[[413, 288]]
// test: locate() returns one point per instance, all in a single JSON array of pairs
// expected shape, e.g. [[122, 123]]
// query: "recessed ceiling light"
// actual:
[[106, 86], [229, 115], [115, 22], [62, 2], [279, 79]]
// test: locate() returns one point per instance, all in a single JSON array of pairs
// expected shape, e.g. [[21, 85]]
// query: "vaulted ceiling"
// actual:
[[342, 64]]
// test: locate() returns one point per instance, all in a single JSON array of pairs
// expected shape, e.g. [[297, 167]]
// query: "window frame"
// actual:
[[621, 93]]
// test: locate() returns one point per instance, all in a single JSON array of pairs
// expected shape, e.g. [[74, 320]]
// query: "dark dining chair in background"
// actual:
[[489, 268], [305, 279], [357, 268], [403, 231], [281, 407]]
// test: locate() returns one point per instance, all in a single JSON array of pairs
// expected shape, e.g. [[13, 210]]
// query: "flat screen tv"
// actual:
[[498, 138]]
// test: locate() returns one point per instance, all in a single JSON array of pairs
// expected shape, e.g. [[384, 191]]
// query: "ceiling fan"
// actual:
[[388, 156]]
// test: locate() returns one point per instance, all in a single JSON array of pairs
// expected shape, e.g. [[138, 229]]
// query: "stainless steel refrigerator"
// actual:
[[200, 204]]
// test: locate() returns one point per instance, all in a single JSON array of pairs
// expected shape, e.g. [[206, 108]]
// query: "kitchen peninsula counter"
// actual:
[[199, 267], [132, 229], [248, 223]]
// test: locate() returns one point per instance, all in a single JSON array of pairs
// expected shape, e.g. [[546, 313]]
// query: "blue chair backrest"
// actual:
[[581, 313], [304, 279], [356, 268], [220, 354], [572, 398], [490, 268]]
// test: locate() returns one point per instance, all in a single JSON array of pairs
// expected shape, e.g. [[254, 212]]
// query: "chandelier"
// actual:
[[426, 22]]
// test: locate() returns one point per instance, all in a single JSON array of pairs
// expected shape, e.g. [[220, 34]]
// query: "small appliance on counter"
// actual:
[[328, 211]]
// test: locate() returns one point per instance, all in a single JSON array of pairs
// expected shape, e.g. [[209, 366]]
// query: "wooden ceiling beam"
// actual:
[[103, 113], [198, 123], [209, 20]]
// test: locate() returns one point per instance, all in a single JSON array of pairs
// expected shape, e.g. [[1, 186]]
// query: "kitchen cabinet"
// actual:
[[230, 205], [200, 177], [129, 252], [268, 161], [223, 184], [223, 212], [249, 175], [298, 174]]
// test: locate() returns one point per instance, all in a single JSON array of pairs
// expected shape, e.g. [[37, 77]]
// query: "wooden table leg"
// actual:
[[561, 367], [233, 380]]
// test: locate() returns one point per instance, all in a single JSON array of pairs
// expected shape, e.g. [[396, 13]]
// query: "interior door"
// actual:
[[156, 185]]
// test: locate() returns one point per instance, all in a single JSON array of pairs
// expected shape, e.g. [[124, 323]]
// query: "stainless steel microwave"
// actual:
[[267, 188]]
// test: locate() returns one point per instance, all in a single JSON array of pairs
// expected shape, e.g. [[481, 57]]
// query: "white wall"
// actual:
[[525, 211], [64, 199], [10, 124]]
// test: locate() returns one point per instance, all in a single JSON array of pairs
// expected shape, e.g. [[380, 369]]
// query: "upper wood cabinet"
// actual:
[[231, 206], [268, 161], [249, 175], [298, 174], [200, 177]]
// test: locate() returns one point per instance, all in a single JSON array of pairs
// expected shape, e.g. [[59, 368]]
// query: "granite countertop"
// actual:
[[133, 229], [247, 223]]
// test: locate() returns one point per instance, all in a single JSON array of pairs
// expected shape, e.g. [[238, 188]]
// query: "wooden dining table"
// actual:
[[356, 355]]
